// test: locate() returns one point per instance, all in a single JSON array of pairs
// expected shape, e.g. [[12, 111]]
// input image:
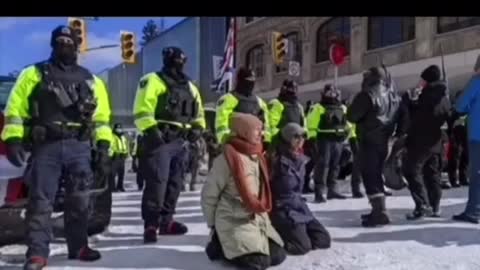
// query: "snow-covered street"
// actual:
[[438, 244]]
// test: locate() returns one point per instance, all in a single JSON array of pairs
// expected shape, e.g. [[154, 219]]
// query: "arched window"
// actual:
[[385, 31], [448, 24], [336, 29], [255, 60], [294, 51]]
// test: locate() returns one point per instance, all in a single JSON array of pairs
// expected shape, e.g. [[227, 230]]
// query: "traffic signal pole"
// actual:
[[103, 47]]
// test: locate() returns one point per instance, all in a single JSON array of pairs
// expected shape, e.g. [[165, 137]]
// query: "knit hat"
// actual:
[[431, 74], [292, 130], [244, 126]]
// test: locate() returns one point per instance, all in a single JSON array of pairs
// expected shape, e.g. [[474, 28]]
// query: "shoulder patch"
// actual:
[[143, 83]]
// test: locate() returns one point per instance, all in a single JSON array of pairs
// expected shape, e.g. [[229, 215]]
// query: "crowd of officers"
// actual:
[[57, 110]]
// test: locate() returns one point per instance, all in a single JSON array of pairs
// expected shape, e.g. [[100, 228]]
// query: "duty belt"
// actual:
[[57, 130]]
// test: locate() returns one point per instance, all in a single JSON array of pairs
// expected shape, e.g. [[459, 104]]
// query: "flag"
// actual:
[[223, 82]]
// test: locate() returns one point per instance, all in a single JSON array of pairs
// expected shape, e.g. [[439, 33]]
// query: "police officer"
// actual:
[[327, 124], [374, 111], [168, 110], [57, 104], [240, 100], [285, 109], [120, 153]]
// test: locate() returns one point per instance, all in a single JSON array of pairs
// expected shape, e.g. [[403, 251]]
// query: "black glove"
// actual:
[[15, 152], [101, 162], [153, 138]]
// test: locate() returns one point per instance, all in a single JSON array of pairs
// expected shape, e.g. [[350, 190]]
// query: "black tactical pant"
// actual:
[[458, 159], [302, 237], [327, 166], [310, 151], [253, 261], [118, 171], [372, 159], [42, 178], [163, 170], [422, 171]]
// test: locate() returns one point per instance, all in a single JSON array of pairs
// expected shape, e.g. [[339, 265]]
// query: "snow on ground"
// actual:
[[429, 244]]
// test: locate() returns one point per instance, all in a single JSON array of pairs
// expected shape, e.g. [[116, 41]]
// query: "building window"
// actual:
[[336, 29], [294, 51], [255, 61], [448, 24], [385, 31], [251, 19]]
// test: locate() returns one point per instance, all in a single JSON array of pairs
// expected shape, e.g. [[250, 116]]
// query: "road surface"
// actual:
[[427, 244]]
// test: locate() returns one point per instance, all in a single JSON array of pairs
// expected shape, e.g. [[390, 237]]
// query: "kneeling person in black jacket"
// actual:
[[290, 215]]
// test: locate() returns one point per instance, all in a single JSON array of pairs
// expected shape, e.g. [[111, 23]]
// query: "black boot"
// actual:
[[465, 218], [319, 195], [379, 213], [85, 254], [332, 194], [356, 192], [419, 213], [445, 185], [464, 182], [387, 191], [150, 235], [35, 263]]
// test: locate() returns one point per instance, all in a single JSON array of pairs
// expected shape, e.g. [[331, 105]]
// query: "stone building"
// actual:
[[406, 45]]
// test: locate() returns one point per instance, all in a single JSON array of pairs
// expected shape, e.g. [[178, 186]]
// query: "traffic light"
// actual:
[[279, 47], [80, 31], [128, 41]]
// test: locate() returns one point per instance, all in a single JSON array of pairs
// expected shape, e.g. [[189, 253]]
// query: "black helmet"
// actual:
[[63, 31], [289, 86], [245, 74], [172, 55]]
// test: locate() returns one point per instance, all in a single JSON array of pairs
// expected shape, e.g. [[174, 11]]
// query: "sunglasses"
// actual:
[[300, 136]]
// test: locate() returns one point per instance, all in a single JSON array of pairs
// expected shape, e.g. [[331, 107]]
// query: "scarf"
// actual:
[[233, 149]]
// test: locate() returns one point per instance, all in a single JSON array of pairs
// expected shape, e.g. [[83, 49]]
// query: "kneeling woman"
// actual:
[[290, 215], [236, 199]]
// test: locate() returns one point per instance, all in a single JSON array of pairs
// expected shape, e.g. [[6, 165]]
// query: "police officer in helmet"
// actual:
[[285, 109], [56, 105], [243, 100], [327, 125], [168, 110]]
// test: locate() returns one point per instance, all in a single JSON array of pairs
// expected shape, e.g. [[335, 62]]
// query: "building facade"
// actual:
[[406, 45], [199, 37]]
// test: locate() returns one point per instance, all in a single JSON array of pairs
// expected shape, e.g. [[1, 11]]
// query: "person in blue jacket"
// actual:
[[290, 215], [469, 104]]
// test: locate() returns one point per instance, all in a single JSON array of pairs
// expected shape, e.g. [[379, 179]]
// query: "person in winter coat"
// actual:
[[236, 199], [375, 113], [424, 144], [291, 217], [469, 104]]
